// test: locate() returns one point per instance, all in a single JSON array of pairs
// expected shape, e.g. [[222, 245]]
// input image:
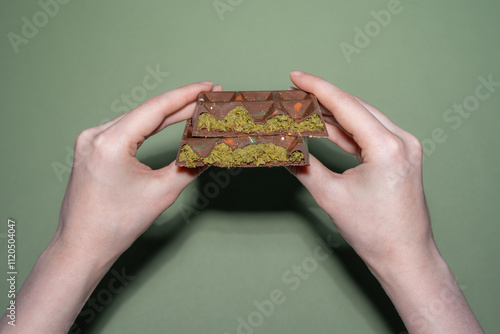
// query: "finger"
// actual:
[[380, 116], [176, 178], [328, 117], [316, 178], [145, 119], [180, 177], [367, 131], [336, 134], [341, 139], [182, 114], [101, 127]]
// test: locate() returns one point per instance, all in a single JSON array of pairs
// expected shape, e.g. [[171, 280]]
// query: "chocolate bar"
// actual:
[[242, 151], [232, 114]]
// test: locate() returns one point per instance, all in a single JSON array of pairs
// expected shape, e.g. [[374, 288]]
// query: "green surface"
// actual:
[[199, 275]]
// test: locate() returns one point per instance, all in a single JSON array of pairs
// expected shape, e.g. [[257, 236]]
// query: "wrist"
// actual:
[[425, 293], [405, 261], [79, 255], [85, 248], [57, 288]]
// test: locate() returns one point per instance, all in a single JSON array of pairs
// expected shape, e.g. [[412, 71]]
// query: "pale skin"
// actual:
[[379, 207]]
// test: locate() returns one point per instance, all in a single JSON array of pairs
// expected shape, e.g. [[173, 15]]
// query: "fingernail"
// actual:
[[297, 73], [206, 82]]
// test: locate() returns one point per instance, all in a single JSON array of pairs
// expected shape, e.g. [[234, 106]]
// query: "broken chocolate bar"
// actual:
[[242, 151], [232, 114]]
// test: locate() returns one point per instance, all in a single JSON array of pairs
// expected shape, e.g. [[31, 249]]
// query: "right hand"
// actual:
[[379, 206]]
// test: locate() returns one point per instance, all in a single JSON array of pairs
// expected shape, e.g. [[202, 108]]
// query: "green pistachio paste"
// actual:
[[224, 156], [240, 120]]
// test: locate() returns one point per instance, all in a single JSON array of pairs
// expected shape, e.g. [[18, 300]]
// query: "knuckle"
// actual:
[[344, 98], [94, 149], [103, 145], [404, 155], [83, 142], [84, 136], [415, 149], [153, 102], [393, 147]]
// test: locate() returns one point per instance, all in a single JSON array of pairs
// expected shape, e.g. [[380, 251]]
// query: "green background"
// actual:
[[201, 274]]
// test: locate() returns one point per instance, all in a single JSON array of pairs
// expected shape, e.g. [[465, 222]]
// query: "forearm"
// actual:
[[428, 297], [56, 290], [379, 208]]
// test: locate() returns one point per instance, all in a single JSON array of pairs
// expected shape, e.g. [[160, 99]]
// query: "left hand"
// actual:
[[112, 198]]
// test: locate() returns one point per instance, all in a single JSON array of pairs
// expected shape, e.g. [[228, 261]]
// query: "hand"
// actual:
[[379, 208], [112, 198]]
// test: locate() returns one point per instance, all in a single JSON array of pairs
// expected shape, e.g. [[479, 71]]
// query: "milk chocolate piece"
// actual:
[[254, 113], [268, 151]]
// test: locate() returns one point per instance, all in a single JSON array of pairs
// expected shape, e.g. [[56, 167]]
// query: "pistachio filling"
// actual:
[[225, 156], [239, 120]]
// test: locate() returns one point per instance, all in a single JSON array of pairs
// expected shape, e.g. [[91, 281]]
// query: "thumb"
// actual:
[[174, 178], [319, 180]]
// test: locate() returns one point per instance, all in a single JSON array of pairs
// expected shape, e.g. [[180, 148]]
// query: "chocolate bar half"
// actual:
[[231, 114], [243, 151]]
